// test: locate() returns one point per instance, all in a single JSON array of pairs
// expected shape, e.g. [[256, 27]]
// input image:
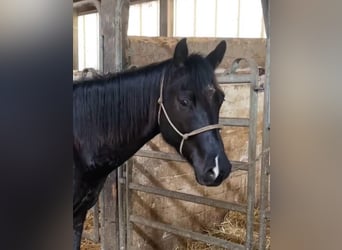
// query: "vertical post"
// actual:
[[75, 40], [121, 206], [114, 24], [107, 24], [108, 209], [264, 160], [109, 225], [252, 142], [120, 30], [265, 135], [113, 44], [163, 17], [170, 4], [129, 169]]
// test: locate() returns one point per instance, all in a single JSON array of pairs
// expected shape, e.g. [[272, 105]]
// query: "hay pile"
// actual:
[[89, 245], [232, 228], [88, 227]]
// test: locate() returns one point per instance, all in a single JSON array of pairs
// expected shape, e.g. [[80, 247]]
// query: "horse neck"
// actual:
[[140, 106]]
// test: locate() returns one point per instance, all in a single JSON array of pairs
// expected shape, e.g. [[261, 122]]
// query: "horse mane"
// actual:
[[108, 109]]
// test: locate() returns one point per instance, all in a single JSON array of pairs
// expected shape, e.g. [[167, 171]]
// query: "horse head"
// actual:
[[190, 100]]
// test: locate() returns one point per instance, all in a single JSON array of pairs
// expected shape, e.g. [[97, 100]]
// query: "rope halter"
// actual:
[[184, 136]]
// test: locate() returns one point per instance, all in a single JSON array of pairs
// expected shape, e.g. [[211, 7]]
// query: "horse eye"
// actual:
[[184, 102]]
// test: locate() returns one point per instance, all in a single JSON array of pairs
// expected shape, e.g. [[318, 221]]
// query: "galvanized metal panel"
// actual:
[[186, 233], [188, 197]]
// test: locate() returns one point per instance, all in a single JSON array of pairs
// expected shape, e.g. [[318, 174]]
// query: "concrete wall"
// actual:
[[145, 50], [180, 176]]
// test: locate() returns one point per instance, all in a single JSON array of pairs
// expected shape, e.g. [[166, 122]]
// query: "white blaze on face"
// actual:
[[216, 168]]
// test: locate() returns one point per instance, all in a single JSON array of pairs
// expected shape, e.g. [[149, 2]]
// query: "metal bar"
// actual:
[[128, 193], [237, 165], [186, 233], [160, 155], [252, 143], [238, 122], [234, 78], [188, 197], [266, 15]]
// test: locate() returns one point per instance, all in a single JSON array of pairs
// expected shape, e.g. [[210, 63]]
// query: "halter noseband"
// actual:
[[184, 136]]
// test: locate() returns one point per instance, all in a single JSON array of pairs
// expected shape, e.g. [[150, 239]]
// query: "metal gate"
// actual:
[[126, 186]]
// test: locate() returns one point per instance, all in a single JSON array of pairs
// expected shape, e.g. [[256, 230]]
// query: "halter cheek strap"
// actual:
[[184, 136]]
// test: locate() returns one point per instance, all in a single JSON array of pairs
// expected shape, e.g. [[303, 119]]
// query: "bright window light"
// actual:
[[144, 19], [184, 18], [88, 41], [218, 18], [205, 18], [251, 18], [227, 18]]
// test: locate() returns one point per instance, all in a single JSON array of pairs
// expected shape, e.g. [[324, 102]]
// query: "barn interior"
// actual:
[[153, 201]]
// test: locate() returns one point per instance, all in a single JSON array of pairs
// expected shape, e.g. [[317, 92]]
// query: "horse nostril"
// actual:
[[211, 174]]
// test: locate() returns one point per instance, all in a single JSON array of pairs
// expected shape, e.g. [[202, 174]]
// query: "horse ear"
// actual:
[[181, 52], [215, 57]]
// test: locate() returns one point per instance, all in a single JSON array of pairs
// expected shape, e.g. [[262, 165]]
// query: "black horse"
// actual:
[[115, 115]]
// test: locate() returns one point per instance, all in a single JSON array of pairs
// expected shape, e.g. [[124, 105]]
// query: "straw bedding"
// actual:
[[232, 228]]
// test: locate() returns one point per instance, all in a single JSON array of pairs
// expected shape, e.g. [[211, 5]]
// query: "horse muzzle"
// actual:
[[215, 172]]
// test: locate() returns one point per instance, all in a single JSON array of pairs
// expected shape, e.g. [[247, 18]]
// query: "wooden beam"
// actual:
[[75, 40], [109, 214], [120, 30], [85, 6], [107, 24], [114, 24]]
